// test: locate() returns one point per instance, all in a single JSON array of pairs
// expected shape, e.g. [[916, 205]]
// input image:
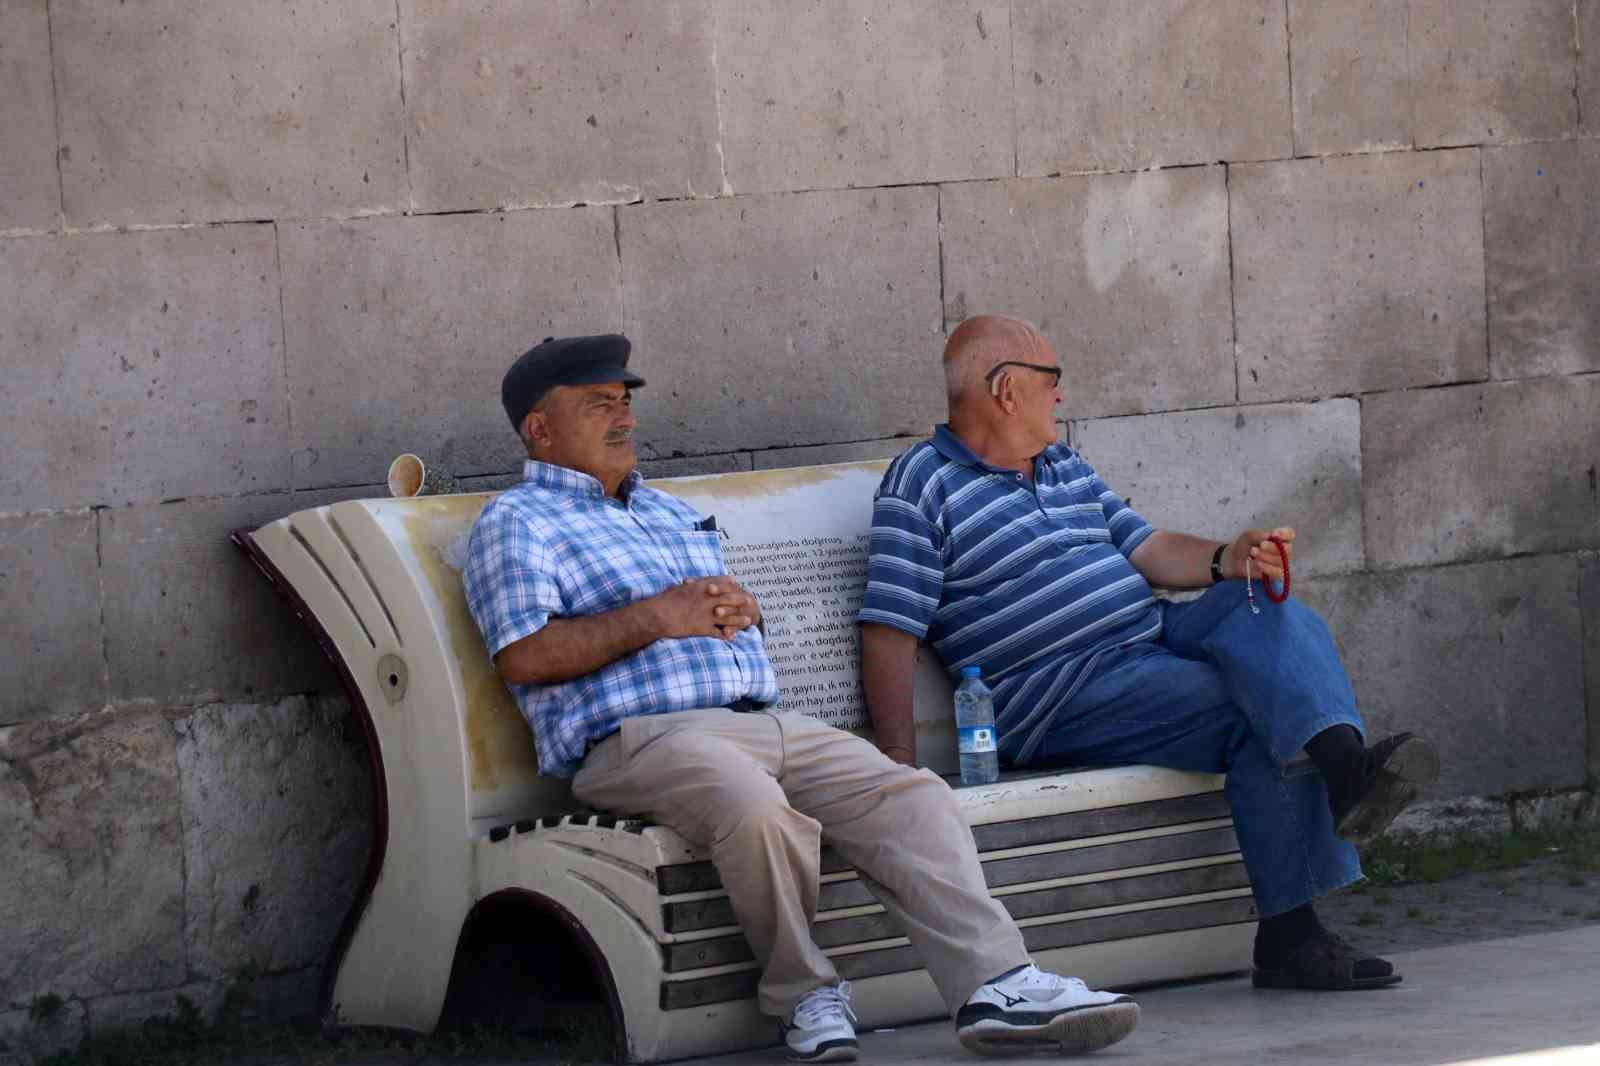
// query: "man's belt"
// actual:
[[742, 705]]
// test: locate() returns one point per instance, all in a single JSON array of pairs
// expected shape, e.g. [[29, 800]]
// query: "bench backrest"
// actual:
[[384, 579]]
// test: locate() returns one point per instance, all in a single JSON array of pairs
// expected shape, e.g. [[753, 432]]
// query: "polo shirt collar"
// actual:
[[572, 482], [953, 448]]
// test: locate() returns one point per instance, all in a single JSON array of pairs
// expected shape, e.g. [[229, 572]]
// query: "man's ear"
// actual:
[[535, 429], [1003, 389]]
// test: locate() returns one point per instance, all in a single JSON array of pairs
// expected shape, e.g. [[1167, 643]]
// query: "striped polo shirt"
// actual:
[[1028, 582]]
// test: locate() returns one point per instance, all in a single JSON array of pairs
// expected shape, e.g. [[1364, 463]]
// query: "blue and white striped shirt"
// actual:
[[557, 546], [1027, 582]]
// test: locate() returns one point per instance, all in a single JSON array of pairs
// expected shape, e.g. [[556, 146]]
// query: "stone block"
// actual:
[[1482, 659], [1491, 70], [625, 88], [695, 465], [854, 452], [177, 112], [1481, 471], [490, 482], [188, 616], [1589, 568], [832, 296], [1217, 473], [50, 617], [1131, 86], [151, 363], [1358, 274], [1471, 816], [277, 818], [1589, 65], [30, 187], [89, 826], [1552, 810], [1542, 241], [399, 331], [1351, 80], [26, 1039], [108, 1014], [1127, 274], [860, 92], [272, 998]]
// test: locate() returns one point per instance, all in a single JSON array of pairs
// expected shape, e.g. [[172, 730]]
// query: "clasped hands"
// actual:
[[706, 607], [1256, 546]]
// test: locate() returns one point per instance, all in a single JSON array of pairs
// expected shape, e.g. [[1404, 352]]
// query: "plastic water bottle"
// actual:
[[980, 761]]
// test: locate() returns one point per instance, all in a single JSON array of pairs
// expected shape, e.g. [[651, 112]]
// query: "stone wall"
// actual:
[[1328, 262]]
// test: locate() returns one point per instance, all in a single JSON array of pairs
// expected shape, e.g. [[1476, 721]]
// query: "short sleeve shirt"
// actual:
[[999, 573], [556, 546]]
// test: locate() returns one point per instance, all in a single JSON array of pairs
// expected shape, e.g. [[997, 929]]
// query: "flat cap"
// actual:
[[564, 361]]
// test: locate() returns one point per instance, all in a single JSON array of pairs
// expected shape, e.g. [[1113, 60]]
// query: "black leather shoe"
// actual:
[[1398, 769]]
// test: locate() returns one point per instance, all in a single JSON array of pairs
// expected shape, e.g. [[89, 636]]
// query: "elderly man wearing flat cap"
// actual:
[[640, 666]]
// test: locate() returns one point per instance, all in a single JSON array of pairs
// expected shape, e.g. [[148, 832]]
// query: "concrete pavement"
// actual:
[[1531, 999]]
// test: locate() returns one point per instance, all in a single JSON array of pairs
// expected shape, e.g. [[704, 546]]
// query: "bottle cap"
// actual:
[[971, 671]]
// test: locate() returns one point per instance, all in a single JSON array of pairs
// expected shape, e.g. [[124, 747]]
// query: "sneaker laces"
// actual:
[[822, 1003], [1033, 977]]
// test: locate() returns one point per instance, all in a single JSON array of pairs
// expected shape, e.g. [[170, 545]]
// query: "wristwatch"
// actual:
[[1216, 563]]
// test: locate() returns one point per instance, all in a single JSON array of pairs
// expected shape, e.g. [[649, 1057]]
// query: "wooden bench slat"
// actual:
[[691, 915], [1062, 899], [698, 992]]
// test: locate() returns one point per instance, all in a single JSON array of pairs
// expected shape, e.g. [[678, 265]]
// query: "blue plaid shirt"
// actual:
[[557, 546]]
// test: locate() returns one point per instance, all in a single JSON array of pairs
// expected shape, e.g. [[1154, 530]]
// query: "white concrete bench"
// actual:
[[1121, 876]]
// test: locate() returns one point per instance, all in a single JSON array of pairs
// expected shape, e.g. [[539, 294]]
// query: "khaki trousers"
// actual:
[[761, 790]]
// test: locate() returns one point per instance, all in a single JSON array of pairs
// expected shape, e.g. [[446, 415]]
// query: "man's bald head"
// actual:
[[982, 342]]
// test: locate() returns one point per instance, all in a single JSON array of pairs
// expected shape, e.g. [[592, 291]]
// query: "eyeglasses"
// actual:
[[1053, 371]]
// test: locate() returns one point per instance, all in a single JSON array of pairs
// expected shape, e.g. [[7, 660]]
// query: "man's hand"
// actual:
[[704, 607], [1256, 546], [740, 615]]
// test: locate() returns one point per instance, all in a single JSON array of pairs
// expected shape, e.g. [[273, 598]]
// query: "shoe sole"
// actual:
[[1072, 1033], [832, 1051], [1412, 767], [1278, 979]]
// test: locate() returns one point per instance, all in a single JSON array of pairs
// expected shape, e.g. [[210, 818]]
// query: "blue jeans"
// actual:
[[1223, 690]]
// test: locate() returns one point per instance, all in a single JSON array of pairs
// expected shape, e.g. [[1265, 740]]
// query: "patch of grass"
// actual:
[[1569, 912], [1382, 899], [1592, 916], [1576, 880], [1400, 861], [45, 1009], [1369, 919], [185, 1038]]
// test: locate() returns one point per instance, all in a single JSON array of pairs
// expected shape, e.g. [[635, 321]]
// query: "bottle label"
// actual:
[[975, 739]]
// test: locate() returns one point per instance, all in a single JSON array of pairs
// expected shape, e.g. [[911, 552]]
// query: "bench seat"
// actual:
[[1120, 875]]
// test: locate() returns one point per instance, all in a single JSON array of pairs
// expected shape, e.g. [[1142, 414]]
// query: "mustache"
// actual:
[[619, 436]]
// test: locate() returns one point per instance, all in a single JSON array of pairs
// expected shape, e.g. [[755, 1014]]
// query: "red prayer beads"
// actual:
[[1276, 597]]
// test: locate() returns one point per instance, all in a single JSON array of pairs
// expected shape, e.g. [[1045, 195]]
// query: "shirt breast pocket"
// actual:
[[698, 553]]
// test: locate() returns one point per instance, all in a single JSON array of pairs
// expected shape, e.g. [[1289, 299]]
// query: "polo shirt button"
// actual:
[[1019, 477]]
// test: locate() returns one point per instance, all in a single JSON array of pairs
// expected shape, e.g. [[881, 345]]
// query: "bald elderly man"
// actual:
[[1004, 549], [640, 666]]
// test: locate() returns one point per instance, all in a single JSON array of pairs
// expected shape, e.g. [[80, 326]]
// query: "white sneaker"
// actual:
[[819, 1030], [1031, 1010]]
